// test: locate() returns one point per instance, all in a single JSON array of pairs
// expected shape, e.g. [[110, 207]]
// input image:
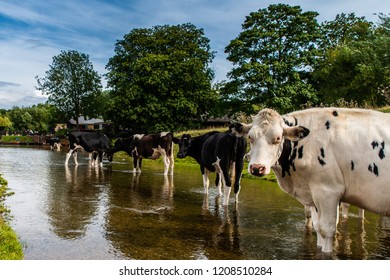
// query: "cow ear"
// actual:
[[295, 133], [175, 140], [240, 129]]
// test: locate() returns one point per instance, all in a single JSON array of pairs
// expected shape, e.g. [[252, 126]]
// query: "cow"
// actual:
[[149, 146], [324, 156], [55, 143], [219, 152], [91, 142]]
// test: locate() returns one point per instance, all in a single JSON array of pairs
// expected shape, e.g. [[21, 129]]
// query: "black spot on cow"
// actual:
[[327, 124], [300, 152], [352, 165], [288, 156], [288, 123], [335, 113], [373, 168], [321, 157], [374, 144], [321, 161], [322, 152], [382, 151]]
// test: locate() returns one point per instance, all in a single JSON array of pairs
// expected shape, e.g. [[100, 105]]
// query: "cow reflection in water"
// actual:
[[140, 211], [74, 201], [225, 232]]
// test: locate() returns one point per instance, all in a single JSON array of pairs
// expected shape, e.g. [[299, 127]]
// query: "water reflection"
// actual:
[[74, 202], [89, 212]]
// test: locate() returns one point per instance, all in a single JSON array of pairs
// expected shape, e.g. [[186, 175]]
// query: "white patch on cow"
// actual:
[[162, 134], [138, 136]]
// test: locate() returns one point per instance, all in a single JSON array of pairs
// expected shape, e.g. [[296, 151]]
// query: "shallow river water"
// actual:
[[88, 212]]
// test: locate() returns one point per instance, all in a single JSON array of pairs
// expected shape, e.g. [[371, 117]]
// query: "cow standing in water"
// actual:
[[91, 142], [219, 152], [324, 156], [150, 146]]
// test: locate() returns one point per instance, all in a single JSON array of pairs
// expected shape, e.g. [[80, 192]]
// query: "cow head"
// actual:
[[184, 144], [121, 144], [239, 129], [266, 136]]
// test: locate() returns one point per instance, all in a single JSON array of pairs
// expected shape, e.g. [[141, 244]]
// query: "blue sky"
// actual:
[[32, 32]]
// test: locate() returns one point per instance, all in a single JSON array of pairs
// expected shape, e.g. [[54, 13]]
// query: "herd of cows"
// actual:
[[321, 156]]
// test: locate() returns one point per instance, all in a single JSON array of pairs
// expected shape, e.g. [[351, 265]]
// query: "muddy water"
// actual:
[[94, 213]]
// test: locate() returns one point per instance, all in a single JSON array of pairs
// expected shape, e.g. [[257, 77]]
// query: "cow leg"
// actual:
[[206, 181], [344, 209], [68, 155], [327, 220], [75, 152], [165, 161], [361, 213], [101, 159], [171, 162], [225, 178], [315, 220], [135, 164], [139, 165], [308, 217], [218, 183]]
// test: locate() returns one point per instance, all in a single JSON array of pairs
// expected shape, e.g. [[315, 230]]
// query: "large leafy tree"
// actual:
[[72, 85], [160, 79], [355, 64], [272, 57]]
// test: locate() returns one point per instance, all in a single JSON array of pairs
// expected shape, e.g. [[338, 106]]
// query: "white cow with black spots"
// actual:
[[325, 156]]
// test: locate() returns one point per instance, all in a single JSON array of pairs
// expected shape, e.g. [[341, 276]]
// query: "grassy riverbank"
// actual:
[[10, 246]]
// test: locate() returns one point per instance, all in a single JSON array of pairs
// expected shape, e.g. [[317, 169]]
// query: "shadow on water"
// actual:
[[88, 212]]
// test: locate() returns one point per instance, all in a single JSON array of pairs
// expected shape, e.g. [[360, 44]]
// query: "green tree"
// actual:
[[72, 85], [272, 59], [41, 117], [160, 79], [344, 29], [5, 122], [356, 65]]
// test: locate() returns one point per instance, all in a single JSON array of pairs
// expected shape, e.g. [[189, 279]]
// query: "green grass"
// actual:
[[16, 139], [385, 109], [10, 246]]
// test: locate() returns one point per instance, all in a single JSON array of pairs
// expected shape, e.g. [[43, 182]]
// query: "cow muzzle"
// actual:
[[257, 169], [181, 155]]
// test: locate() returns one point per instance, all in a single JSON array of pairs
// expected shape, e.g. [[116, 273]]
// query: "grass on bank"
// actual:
[[16, 139], [10, 246]]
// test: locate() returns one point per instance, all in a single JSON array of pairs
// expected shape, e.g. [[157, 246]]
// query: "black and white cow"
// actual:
[[150, 146], [219, 152], [55, 143], [325, 156], [90, 142]]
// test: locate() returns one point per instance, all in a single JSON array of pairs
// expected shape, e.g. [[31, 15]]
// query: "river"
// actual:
[[88, 212]]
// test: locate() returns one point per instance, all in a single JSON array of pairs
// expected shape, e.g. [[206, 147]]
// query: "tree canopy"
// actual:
[[72, 85], [355, 66], [160, 78], [272, 57]]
